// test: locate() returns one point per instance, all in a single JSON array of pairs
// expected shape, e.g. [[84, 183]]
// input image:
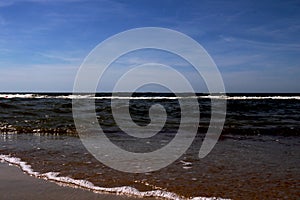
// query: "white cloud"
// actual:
[[62, 56], [4, 3]]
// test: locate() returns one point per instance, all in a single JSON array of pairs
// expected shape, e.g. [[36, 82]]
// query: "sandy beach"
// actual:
[[15, 184]]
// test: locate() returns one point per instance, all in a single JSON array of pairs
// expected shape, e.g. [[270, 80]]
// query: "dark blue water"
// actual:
[[247, 114]]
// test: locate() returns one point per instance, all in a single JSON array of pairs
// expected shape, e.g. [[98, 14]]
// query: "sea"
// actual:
[[257, 155]]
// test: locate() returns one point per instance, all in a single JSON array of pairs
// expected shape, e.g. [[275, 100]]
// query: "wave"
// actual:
[[67, 181], [82, 96], [35, 96], [254, 97]]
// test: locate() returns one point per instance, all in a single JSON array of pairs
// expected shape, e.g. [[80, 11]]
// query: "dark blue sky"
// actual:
[[255, 44]]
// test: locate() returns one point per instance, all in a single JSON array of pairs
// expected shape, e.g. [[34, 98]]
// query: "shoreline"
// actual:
[[16, 184], [19, 181]]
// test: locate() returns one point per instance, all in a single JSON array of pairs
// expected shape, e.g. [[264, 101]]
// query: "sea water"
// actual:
[[257, 155]]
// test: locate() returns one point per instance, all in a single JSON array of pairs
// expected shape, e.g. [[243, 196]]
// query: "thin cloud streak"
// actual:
[[5, 3], [61, 57]]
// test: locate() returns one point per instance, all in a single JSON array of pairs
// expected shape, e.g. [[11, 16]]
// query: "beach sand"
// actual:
[[15, 184]]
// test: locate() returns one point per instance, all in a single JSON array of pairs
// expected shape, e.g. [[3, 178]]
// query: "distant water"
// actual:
[[257, 156]]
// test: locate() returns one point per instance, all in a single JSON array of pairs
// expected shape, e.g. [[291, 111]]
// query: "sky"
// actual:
[[255, 44]]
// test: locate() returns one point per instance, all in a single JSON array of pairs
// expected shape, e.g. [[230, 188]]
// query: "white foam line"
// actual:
[[27, 96], [119, 97], [253, 97], [125, 190], [9, 96]]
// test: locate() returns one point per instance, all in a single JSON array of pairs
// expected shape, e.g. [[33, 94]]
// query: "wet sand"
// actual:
[[15, 184]]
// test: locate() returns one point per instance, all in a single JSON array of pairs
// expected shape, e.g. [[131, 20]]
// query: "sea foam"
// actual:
[[67, 181], [85, 96]]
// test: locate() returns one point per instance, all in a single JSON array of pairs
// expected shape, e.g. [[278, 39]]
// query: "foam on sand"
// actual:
[[67, 181]]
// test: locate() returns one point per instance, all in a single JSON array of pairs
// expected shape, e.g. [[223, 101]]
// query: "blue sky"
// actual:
[[255, 44]]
